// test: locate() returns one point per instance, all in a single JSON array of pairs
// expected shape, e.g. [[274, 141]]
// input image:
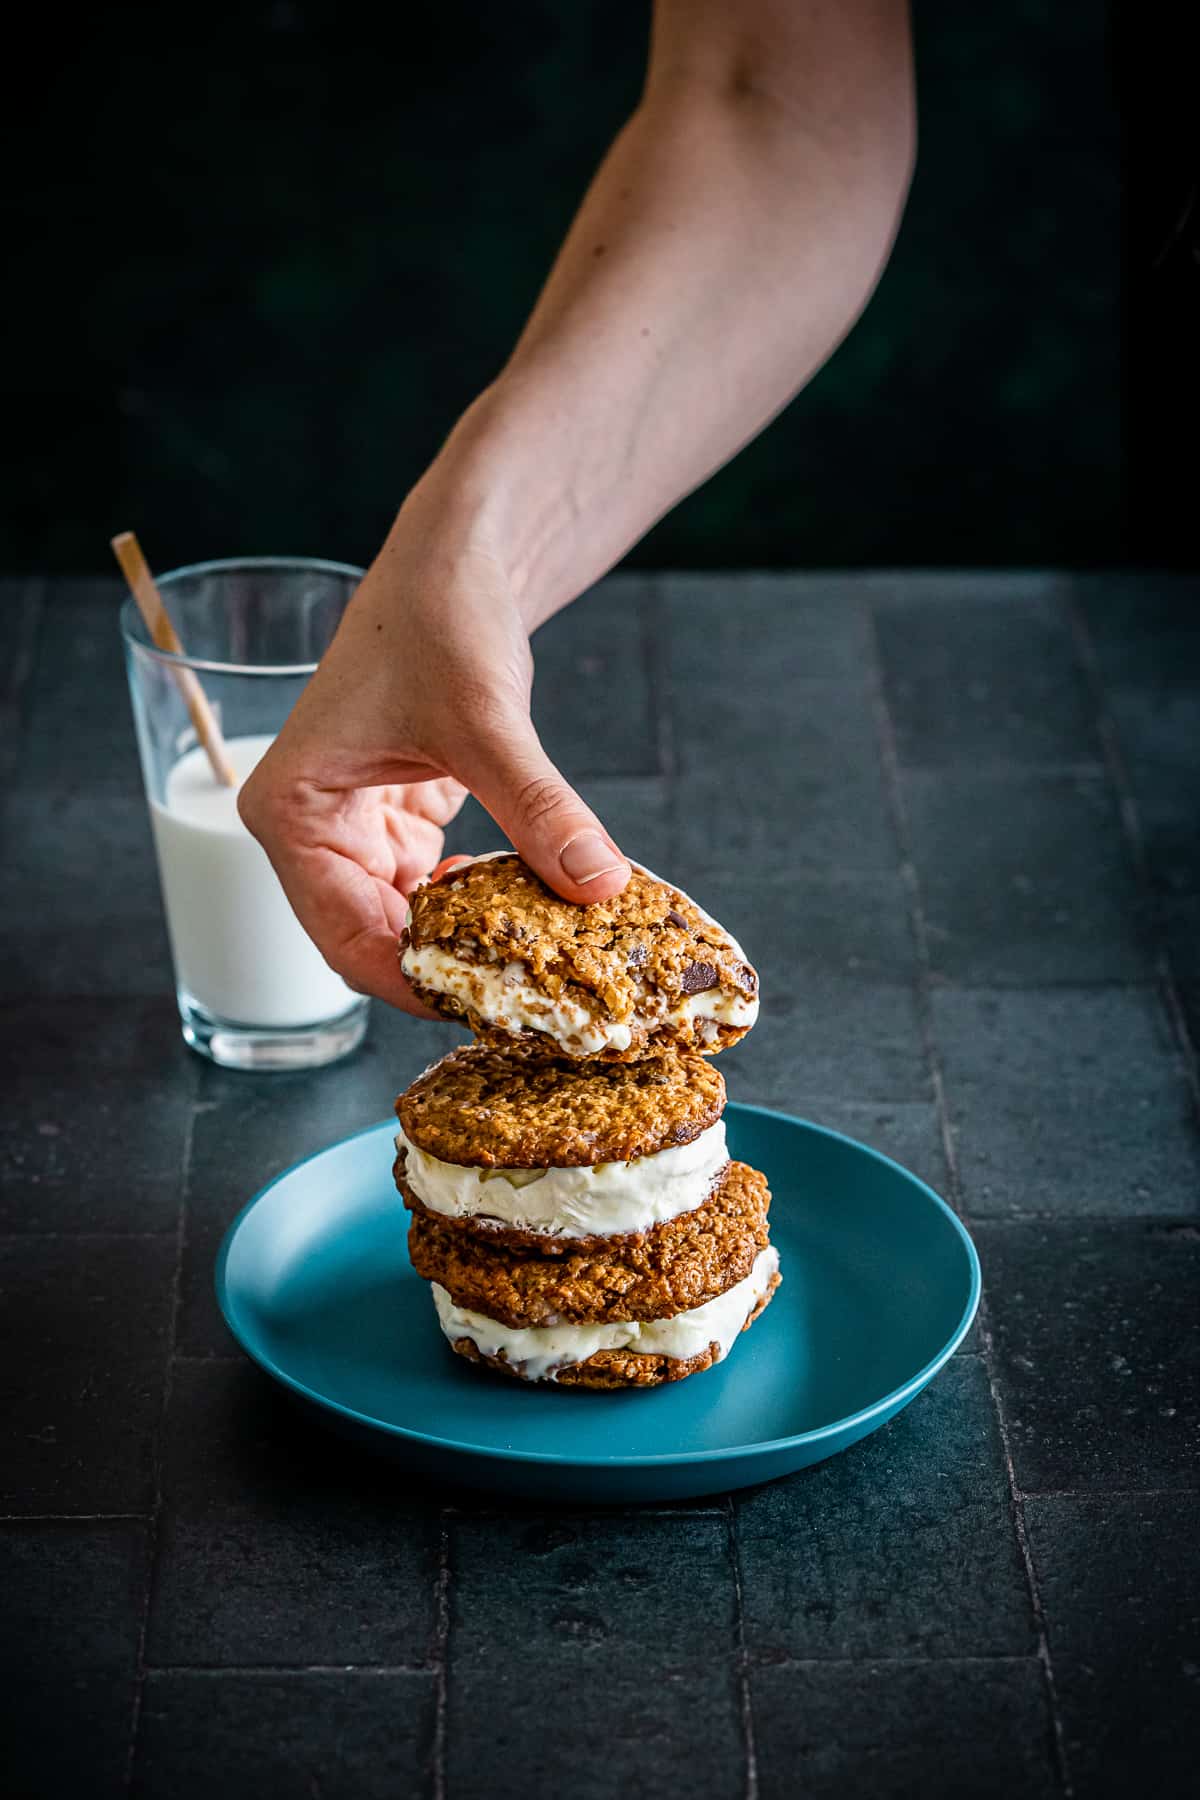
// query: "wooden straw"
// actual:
[[128, 553]]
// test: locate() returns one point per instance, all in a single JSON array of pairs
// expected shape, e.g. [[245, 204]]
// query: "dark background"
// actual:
[[269, 251]]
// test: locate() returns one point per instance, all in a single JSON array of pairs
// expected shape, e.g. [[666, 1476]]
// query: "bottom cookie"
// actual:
[[619, 1355]]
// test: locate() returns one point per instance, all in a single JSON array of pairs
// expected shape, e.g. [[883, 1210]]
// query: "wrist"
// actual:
[[498, 489]]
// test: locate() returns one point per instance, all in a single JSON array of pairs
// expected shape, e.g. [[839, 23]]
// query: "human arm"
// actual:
[[730, 238]]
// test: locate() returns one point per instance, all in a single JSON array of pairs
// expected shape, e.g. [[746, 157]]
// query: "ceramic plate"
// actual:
[[880, 1285]]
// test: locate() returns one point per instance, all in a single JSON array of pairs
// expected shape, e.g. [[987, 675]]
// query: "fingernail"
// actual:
[[587, 857]]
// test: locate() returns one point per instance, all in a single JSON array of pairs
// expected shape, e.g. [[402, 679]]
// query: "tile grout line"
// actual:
[[154, 1524], [440, 1652], [896, 1662], [890, 769], [655, 648], [1006, 768], [100, 1518], [78, 1237], [1158, 1493], [204, 1671], [644, 1512], [741, 1657], [1153, 1220], [20, 669], [614, 1509], [659, 640], [1131, 826]]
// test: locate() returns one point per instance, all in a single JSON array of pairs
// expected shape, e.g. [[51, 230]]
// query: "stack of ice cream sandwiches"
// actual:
[[574, 1205]]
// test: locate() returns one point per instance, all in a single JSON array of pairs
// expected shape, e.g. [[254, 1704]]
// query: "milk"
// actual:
[[239, 949]]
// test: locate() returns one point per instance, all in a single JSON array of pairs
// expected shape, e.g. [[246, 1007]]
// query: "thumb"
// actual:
[[560, 838]]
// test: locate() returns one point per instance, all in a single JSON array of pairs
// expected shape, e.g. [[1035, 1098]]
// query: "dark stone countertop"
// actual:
[[955, 819]]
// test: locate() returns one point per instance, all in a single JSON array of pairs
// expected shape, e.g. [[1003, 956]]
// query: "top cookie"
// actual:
[[617, 980]]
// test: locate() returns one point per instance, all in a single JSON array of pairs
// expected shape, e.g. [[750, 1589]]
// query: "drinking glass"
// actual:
[[253, 990]]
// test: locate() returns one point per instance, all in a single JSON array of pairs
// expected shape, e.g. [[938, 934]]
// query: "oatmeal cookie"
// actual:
[[491, 1108], [491, 944], [677, 1266]]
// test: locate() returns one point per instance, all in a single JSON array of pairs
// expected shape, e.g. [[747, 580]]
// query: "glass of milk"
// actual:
[[254, 992]]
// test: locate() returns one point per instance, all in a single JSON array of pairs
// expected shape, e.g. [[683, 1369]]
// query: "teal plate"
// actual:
[[880, 1283]]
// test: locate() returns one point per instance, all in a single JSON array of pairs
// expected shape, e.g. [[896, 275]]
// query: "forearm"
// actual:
[[734, 232], [731, 237]]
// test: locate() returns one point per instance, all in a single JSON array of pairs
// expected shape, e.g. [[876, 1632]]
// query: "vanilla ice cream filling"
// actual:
[[540, 1351], [501, 995], [601, 1199]]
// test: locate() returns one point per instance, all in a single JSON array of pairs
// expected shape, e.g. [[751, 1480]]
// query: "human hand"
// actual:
[[422, 697]]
